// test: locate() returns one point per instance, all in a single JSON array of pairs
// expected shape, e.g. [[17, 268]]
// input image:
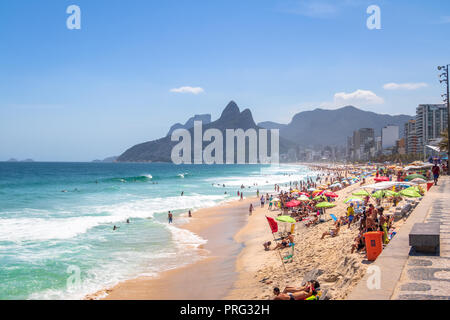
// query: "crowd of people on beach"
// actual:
[[361, 217]]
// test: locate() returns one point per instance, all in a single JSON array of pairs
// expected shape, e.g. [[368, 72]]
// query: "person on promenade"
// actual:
[[436, 170]]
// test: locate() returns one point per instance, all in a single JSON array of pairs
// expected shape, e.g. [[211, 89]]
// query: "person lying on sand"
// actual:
[[333, 232], [311, 289], [286, 242], [312, 221]]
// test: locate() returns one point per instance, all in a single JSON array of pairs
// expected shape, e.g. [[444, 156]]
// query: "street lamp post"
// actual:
[[447, 99]]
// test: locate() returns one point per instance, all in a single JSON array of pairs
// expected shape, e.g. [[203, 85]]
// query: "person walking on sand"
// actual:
[[262, 201], [257, 193], [170, 217], [190, 214], [242, 196], [250, 209]]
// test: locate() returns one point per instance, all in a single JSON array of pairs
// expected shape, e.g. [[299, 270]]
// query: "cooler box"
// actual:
[[374, 244]]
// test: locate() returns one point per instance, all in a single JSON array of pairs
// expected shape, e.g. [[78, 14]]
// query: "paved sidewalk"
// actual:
[[427, 277], [406, 274]]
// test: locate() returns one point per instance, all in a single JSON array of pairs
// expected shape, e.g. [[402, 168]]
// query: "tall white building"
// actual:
[[389, 136]]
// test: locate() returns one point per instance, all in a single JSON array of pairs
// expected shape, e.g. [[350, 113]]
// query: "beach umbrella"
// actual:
[[410, 193], [381, 179], [303, 198], [415, 176], [293, 203], [325, 205], [318, 198], [304, 194], [286, 219], [331, 195], [295, 191], [384, 193], [353, 199], [275, 199], [419, 180], [362, 193], [312, 189]]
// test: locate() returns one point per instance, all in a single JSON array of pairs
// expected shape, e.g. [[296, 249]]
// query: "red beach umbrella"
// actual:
[[331, 195], [381, 179], [293, 203]]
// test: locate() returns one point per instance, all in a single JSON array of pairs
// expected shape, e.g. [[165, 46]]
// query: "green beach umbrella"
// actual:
[[415, 176], [384, 193], [410, 193], [285, 219], [362, 193], [325, 205], [353, 199], [318, 198]]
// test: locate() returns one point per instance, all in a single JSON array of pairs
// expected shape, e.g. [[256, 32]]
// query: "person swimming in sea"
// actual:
[[115, 228]]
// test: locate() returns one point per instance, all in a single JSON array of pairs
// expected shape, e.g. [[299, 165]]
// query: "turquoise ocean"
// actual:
[[56, 220]]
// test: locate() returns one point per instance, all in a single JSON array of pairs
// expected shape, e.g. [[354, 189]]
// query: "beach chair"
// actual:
[[289, 257]]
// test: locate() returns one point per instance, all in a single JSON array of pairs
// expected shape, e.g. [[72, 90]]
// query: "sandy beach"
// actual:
[[234, 265]]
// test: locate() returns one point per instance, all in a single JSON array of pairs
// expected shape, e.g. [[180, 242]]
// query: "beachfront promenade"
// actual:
[[409, 275]]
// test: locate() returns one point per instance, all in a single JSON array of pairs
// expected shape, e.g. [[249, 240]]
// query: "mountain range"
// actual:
[[308, 128]]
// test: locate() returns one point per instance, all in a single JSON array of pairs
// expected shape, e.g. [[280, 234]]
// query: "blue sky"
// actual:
[[77, 95]]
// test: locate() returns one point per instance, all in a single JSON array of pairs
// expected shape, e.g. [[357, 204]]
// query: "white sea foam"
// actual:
[[29, 229]]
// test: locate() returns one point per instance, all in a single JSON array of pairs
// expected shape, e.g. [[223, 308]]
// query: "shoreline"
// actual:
[[215, 267]]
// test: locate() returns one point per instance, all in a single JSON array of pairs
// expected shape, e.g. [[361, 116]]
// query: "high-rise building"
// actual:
[[411, 139], [389, 136], [362, 144], [431, 121]]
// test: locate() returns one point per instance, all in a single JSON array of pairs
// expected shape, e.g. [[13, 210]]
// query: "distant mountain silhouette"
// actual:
[[231, 118], [205, 118], [332, 127], [309, 128], [272, 125]]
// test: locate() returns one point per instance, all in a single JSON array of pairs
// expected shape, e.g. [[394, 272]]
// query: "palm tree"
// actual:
[[443, 145]]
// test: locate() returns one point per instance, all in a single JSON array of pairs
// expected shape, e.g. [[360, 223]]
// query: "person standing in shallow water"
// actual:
[[170, 216], [190, 214]]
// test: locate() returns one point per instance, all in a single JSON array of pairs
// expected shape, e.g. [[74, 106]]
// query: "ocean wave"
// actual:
[[37, 229]]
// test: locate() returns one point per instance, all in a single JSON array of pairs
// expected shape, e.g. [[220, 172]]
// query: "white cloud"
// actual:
[[192, 90], [359, 98], [404, 86]]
